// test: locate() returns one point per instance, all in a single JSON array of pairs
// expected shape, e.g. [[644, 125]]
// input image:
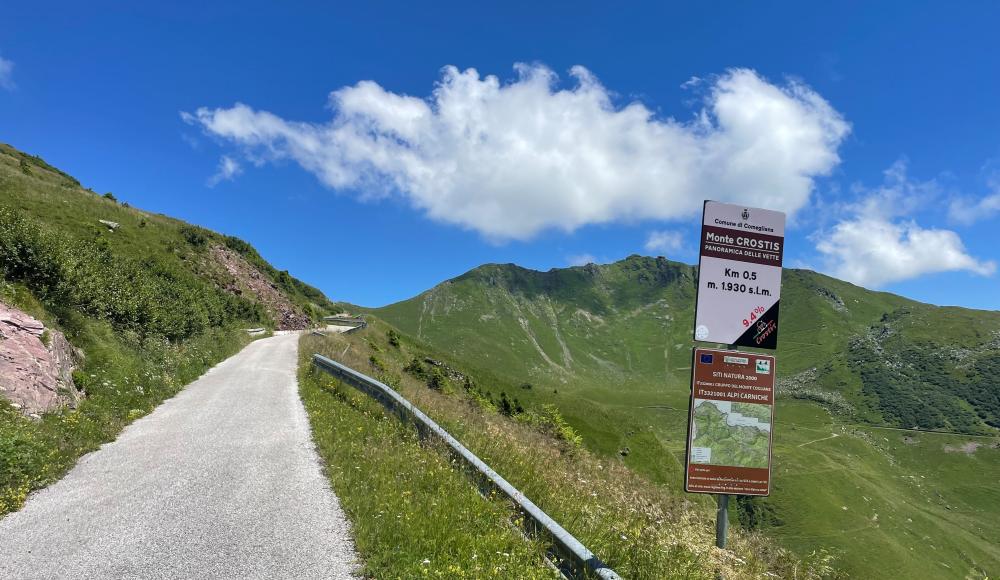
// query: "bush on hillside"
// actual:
[[194, 236], [437, 380], [416, 368], [148, 297], [559, 427]]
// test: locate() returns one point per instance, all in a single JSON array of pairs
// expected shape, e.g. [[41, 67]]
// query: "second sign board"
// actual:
[[732, 410]]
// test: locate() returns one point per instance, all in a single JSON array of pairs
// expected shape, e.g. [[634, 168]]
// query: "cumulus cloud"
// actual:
[[6, 74], [873, 251], [509, 160], [664, 241], [877, 241], [228, 169]]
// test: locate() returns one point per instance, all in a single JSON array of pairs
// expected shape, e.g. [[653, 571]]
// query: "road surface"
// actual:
[[222, 481]]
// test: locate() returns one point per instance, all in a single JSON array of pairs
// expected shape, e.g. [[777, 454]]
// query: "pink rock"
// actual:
[[35, 377], [247, 281]]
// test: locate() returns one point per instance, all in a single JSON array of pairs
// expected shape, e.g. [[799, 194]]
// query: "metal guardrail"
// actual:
[[575, 559], [346, 320], [356, 321]]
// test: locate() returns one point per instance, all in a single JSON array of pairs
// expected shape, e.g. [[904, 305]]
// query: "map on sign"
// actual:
[[728, 433], [731, 422]]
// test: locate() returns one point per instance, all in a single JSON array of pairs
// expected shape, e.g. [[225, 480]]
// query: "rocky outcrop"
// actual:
[[36, 364], [248, 281]]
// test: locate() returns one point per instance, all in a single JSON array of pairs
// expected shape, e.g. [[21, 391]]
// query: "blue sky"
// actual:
[[876, 128]]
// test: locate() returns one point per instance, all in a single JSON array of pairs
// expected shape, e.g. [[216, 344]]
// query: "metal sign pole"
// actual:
[[722, 521], [722, 512]]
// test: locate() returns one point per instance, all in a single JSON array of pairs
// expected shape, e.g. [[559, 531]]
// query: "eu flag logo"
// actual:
[[706, 359]]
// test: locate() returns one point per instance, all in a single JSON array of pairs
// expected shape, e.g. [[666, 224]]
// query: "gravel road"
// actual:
[[221, 481]]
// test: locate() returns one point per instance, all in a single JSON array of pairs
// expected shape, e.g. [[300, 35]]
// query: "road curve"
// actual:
[[222, 481]]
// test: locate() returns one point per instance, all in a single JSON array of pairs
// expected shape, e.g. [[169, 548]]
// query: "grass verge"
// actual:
[[634, 525], [413, 512]]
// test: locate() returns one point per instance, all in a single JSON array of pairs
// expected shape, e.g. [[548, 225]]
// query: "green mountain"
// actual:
[[146, 302], [611, 346]]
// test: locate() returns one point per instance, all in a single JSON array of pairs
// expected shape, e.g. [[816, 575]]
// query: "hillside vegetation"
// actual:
[[415, 512], [610, 347], [144, 298]]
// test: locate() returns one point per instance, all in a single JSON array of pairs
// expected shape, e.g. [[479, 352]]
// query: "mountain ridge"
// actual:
[[653, 292], [610, 346]]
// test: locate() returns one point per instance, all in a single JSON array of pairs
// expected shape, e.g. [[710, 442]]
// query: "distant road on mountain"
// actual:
[[222, 481]]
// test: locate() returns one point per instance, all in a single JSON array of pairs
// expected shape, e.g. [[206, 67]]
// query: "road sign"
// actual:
[[729, 429], [739, 275]]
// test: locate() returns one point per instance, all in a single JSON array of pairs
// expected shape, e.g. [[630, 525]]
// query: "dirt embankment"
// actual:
[[36, 364], [249, 281]]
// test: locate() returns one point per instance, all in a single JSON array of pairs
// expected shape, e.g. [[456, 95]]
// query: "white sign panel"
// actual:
[[739, 275]]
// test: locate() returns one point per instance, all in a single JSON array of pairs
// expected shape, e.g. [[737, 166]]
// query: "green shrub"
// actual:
[[194, 236], [436, 380], [506, 407], [149, 297], [416, 368], [559, 427]]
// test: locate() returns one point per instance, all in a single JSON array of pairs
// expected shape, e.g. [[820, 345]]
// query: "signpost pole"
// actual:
[[722, 521], [722, 513]]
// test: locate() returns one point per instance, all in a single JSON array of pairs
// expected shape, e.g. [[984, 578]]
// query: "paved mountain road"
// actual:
[[221, 481]]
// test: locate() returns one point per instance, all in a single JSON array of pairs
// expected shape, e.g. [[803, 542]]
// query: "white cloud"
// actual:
[[664, 241], [967, 211], [877, 241], [509, 160], [899, 195], [228, 169], [7, 74], [581, 260], [872, 251]]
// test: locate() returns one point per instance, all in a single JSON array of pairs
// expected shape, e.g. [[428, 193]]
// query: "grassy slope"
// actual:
[[636, 526], [626, 327], [56, 200], [140, 303]]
